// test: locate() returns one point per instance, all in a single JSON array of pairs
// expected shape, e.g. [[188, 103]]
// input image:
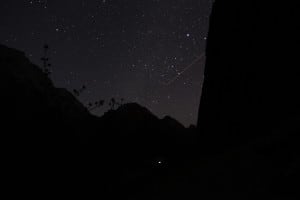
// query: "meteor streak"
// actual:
[[185, 69]]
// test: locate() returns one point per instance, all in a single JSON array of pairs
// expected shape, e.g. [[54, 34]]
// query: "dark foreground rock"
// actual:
[[250, 106]]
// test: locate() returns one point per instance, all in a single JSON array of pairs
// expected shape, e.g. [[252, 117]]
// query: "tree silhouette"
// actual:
[[112, 103], [45, 59]]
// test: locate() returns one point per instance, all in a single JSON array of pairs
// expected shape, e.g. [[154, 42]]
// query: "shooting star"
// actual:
[[184, 70]]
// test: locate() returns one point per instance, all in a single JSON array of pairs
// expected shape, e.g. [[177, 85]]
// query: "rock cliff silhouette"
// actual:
[[251, 85], [249, 113]]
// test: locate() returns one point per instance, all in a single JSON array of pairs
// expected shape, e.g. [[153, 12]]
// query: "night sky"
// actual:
[[145, 51]]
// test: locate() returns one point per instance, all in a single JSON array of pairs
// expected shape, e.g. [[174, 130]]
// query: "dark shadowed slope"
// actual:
[[29, 95], [43, 129], [136, 118]]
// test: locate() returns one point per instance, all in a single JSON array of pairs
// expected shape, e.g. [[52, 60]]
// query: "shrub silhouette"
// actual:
[[113, 103], [95, 105]]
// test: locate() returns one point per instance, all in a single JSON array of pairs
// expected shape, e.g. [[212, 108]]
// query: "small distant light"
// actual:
[[159, 162]]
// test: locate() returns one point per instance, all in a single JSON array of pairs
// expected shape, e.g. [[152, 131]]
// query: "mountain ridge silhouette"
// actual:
[[51, 141]]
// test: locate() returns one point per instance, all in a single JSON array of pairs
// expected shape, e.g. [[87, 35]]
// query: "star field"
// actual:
[[145, 51]]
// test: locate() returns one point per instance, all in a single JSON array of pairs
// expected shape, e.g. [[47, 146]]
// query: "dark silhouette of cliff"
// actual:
[[249, 116], [251, 85]]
